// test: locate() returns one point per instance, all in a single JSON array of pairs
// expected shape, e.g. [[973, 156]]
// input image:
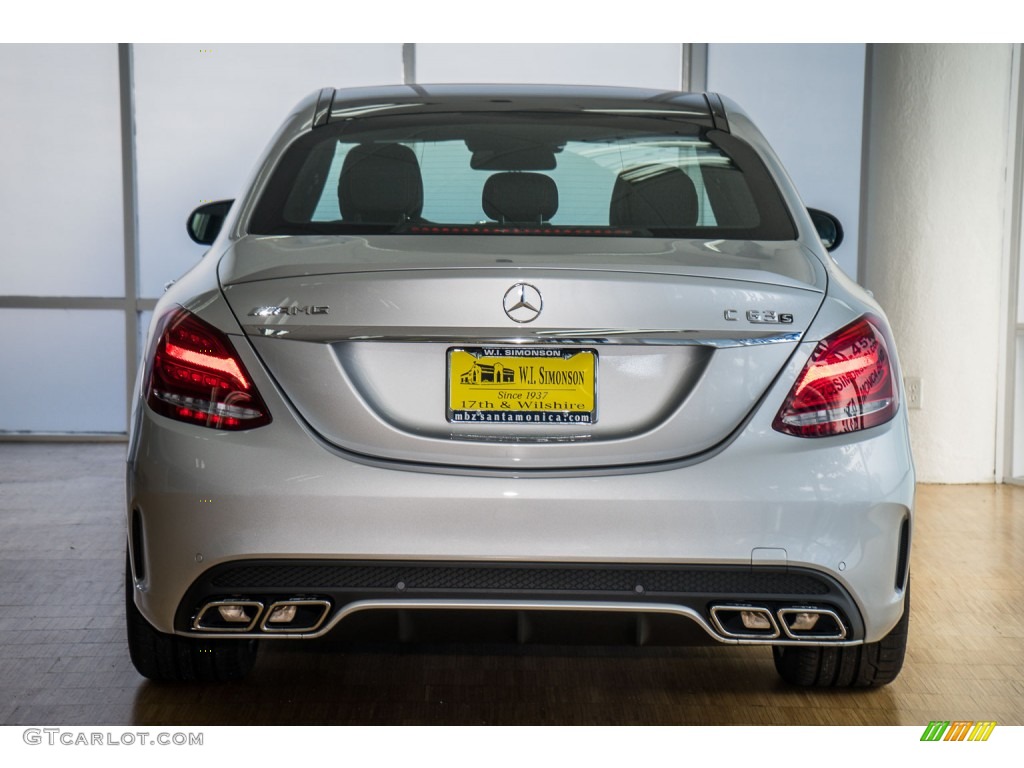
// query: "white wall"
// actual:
[[937, 159], [642, 65], [62, 222], [62, 370], [808, 101], [60, 171]]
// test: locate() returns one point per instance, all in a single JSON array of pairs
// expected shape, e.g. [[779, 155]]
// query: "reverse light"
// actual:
[[197, 376], [848, 384]]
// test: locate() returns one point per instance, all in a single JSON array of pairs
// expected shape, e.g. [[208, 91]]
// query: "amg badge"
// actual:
[[293, 310]]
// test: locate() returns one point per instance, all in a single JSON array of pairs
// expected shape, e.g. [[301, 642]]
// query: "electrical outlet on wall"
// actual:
[[915, 391]]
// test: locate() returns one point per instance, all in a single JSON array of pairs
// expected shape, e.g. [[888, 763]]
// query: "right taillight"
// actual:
[[197, 376], [847, 384]]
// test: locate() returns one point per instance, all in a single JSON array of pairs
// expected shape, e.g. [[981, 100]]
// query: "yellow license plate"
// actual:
[[513, 385]]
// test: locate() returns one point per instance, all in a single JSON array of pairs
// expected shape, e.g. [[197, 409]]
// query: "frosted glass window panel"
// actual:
[[643, 65], [60, 171], [204, 113], [808, 100], [62, 371]]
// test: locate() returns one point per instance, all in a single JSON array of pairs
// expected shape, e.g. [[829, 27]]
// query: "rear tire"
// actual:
[[163, 657], [857, 666]]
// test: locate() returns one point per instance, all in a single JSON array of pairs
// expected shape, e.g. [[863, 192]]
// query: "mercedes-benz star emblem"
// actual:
[[523, 303]]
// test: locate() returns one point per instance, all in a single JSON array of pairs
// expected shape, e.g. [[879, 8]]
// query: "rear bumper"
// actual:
[[200, 501]]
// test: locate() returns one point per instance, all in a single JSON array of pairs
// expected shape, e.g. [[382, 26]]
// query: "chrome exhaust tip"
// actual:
[[295, 615], [744, 622], [809, 623], [228, 616]]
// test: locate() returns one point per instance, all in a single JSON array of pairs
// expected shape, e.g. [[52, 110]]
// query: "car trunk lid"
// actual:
[[426, 350]]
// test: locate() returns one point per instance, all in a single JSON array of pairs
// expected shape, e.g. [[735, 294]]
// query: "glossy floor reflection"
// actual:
[[63, 659]]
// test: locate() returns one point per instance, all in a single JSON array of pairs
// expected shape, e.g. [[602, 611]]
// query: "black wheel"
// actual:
[[858, 666], [171, 658]]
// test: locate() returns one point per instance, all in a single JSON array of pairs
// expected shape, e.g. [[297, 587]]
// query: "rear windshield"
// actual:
[[522, 174]]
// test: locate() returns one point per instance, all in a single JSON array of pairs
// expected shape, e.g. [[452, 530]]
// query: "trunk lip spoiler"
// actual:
[[587, 336]]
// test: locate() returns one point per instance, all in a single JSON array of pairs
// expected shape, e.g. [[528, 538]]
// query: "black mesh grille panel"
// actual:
[[492, 578]]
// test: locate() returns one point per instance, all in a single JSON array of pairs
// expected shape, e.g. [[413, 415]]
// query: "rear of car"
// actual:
[[520, 352]]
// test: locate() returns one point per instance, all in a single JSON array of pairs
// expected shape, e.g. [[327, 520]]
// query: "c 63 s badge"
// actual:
[[762, 316]]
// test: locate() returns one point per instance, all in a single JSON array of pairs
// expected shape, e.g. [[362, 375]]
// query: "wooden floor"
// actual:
[[63, 658]]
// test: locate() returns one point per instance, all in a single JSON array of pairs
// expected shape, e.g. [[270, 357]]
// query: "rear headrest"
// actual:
[[653, 196], [380, 184], [520, 197]]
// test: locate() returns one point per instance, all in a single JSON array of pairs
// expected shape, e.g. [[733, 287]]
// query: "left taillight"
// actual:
[[848, 384], [197, 376]]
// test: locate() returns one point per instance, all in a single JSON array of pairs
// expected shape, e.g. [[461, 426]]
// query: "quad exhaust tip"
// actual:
[[298, 614], [750, 622]]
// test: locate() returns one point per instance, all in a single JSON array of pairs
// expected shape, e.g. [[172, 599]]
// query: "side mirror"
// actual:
[[204, 222], [829, 229]]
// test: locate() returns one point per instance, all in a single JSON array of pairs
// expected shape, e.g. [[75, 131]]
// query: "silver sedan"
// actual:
[[566, 363]]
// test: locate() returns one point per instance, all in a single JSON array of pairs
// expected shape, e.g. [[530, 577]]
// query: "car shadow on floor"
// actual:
[[320, 683]]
